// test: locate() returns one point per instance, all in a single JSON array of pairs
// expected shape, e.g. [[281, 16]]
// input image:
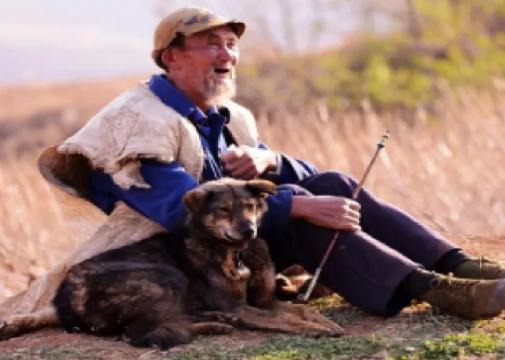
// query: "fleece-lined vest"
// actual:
[[133, 126]]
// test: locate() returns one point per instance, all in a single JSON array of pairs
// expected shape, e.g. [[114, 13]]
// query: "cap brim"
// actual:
[[237, 27]]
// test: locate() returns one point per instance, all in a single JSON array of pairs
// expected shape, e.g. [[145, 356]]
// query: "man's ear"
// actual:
[[194, 200], [261, 188], [168, 56]]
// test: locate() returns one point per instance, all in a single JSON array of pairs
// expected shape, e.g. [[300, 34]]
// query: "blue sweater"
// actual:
[[169, 182]]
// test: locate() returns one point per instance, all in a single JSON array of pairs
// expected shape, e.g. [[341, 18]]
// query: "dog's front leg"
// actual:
[[262, 283], [224, 317], [19, 324], [283, 318]]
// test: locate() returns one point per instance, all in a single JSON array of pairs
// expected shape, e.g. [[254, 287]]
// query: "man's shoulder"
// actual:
[[138, 100]]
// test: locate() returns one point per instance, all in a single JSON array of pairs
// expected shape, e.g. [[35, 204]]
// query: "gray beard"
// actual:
[[219, 92]]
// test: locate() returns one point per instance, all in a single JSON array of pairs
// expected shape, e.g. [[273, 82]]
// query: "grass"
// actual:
[[416, 333], [49, 353]]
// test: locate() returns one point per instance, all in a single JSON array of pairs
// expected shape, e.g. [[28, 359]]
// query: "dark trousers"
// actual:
[[365, 267]]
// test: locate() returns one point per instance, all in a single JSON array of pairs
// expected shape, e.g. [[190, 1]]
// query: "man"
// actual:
[[158, 140]]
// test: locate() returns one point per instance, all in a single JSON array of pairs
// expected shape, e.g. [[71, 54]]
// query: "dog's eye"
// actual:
[[223, 209], [250, 206]]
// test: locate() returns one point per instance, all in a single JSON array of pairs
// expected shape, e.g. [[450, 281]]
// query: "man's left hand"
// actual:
[[246, 162]]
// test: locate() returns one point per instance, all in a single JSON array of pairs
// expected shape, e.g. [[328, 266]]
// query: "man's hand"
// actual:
[[334, 212], [245, 162]]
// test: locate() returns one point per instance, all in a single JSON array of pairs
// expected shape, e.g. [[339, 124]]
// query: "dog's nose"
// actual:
[[248, 232]]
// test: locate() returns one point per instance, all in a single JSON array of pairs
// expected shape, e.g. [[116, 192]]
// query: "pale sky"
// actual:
[[62, 40], [57, 40]]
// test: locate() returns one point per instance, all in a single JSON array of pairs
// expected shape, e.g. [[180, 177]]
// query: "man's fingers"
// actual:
[[354, 205], [353, 214], [244, 171], [232, 154], [350, 220], [238, 166]]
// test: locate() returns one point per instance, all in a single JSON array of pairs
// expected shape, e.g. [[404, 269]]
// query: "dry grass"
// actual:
[[448, 172]]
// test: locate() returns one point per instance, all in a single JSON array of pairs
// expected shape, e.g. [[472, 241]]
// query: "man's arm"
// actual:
[[161, 203], [334, 212], [245, 162]]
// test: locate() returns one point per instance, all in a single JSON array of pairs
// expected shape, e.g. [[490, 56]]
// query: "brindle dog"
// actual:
[[208, 278]]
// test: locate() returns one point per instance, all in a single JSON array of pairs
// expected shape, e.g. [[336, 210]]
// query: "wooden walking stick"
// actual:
[[380, 145]]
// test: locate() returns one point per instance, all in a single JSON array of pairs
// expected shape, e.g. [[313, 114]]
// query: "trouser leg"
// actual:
[[365, 269], [385, 222], [360, 268]]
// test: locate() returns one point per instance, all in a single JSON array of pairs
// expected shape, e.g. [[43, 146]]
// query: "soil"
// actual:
[[37, 345]]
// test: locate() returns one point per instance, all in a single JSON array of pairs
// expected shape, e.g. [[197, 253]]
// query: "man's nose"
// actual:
[[227, 54]]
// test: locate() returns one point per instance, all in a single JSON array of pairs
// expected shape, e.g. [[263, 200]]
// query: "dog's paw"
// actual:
[[317, 333], [219, 316], [211, 328]]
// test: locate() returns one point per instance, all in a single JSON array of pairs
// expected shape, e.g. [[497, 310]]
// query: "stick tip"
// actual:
[[382, 142]]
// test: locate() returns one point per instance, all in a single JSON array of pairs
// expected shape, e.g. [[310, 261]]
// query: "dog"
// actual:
[[209, 277]]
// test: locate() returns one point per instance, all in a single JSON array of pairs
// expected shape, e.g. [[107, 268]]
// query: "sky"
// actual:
[[46, 41], [60, 40]]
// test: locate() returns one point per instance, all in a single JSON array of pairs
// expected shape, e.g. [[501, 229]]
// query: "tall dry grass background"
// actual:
[[448, 172]]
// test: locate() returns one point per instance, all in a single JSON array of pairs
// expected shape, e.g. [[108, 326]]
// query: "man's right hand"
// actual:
[[334, 212]]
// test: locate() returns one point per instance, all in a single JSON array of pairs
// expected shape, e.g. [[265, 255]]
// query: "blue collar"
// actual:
[[174, 98]]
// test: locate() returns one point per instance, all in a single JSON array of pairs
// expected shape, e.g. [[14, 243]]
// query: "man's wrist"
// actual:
[[298, 207]]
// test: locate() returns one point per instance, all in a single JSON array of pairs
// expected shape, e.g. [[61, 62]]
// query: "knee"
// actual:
[[332, 183]]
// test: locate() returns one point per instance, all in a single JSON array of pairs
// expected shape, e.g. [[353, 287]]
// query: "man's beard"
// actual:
[[218, 91]]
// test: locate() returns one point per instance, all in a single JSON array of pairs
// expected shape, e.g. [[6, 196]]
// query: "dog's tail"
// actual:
[[20, 324]]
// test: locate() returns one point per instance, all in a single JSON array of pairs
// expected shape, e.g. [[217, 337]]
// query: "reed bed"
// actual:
[[449, 172]]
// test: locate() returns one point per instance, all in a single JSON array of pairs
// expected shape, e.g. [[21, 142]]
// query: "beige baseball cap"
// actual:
[[188, 21]]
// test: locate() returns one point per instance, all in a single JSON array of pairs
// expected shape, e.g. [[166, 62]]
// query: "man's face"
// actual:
[[205, 68]]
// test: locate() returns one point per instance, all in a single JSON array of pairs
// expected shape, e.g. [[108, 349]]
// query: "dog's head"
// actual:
[[228, 210]]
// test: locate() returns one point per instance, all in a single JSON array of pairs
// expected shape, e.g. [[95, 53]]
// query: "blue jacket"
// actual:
[[169, 182]]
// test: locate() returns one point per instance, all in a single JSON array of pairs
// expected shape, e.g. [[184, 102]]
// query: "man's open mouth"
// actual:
[[221, 70]]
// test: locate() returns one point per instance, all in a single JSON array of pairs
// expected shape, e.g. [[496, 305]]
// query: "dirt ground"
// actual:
[[42, 344]]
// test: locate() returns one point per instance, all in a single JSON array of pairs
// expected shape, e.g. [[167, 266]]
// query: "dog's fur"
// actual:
[[165, 289]]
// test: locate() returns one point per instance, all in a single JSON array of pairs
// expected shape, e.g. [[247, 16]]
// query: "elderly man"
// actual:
[[155, 142]]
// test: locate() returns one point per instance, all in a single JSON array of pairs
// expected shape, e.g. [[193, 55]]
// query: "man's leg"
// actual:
[[403, 233], [383, 221], [362, 269], [370, 273]]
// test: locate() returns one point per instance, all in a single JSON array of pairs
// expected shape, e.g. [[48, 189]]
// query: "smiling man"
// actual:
[[139, 155]]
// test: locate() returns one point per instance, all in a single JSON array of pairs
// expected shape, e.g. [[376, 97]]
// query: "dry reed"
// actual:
[[447, 172]]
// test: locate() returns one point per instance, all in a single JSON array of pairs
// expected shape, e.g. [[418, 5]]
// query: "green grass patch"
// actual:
[[49, 353], [298, 348], [457, 345]]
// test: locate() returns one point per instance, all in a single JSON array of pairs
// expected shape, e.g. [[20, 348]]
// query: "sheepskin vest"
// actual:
[[136, 125]]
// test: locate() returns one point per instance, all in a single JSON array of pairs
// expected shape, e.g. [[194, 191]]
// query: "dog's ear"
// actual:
[[261, 188], [195, 199]]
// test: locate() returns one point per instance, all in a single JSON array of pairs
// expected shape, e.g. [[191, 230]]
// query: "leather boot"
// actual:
[[479, 269], [469, 299]]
